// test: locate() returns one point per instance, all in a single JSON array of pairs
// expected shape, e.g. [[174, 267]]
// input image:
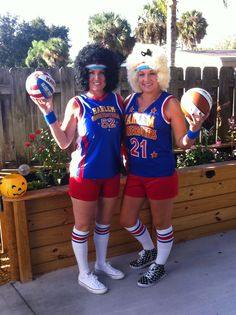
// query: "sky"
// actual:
[[221, 21]]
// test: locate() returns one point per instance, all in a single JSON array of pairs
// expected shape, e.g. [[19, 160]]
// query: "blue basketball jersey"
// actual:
[[99, 138], [148, 139]]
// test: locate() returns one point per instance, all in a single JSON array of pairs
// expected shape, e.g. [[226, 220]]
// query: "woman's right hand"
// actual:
[[45, 106]]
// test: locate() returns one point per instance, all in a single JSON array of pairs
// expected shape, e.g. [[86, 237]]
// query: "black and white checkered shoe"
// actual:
[[146, 258], [152, 276]]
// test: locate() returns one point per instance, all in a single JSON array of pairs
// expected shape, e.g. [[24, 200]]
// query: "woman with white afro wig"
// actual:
[[151, 115]]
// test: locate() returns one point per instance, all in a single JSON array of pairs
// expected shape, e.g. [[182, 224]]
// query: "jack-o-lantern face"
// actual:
[[13, 186]]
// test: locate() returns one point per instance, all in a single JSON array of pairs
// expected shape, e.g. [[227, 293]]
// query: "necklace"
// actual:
[[144, 102]]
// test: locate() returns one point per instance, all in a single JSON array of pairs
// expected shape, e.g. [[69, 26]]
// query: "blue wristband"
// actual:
[[50, 118], [193, 134]]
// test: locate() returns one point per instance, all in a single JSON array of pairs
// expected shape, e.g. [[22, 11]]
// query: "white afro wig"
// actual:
[[147, 56]]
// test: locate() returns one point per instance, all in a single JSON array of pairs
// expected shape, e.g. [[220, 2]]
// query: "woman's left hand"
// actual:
[[196, 121]]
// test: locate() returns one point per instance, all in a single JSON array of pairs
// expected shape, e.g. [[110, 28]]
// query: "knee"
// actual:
[[82, 227], [127, 222], [122, 221], [161, 225]]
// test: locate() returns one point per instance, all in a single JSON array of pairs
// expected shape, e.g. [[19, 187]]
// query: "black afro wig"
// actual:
[[97, 54]]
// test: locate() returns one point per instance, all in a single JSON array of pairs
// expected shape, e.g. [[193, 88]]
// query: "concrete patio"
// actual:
[[201, 279]]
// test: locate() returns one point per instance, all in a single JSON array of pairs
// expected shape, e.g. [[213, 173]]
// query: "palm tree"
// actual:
[[152, 24], [51, 53], [192, 28], [112, 31]]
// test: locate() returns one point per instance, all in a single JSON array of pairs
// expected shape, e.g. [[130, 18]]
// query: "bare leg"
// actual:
[[105, 211], [130, 220]]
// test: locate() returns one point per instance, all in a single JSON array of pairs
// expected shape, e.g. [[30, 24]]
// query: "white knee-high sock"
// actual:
[[165, 240], [80, 247], [101, 238], [140, 232]]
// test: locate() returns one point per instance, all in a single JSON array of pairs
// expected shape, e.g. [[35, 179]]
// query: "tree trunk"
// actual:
[[171, 31]]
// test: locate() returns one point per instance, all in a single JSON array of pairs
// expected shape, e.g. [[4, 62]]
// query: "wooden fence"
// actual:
[[19, 116]]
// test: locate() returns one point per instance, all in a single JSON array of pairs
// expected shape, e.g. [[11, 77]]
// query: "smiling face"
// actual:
[[13, 186], [97, 81], [147, 80]]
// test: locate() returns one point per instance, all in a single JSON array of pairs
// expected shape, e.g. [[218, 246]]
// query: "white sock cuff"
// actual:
[[165, 236], [165, 231], [102, 225], [79, 236], [79, 232], [101, 229]]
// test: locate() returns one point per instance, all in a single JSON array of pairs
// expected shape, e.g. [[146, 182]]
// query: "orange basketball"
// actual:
[[196, 101]]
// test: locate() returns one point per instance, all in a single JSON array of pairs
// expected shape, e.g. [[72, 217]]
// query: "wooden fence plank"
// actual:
[[67, 83], [124, 88], [4, 106], [210, 83], [176, 86], [19, 112], [192, 77], [226, 85]]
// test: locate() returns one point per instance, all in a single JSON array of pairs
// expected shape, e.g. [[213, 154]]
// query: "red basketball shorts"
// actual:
[[92, 189], [155, 188]]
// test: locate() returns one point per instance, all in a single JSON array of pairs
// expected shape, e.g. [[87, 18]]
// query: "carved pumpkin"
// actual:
[[13, 186]]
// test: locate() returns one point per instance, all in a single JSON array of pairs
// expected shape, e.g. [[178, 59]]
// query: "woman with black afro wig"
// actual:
[[95, 118]]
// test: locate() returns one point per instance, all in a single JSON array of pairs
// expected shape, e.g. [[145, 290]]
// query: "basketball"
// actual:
[[196, 101], [40, 85]]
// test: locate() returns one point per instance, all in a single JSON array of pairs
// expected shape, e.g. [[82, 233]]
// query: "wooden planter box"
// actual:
[[206, 203], [38, 226]]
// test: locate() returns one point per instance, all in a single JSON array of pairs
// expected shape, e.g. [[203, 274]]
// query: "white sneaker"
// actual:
[[91, 283], [110, 271]]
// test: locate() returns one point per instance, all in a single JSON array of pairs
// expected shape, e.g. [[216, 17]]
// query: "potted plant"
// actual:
[[205, 153]]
